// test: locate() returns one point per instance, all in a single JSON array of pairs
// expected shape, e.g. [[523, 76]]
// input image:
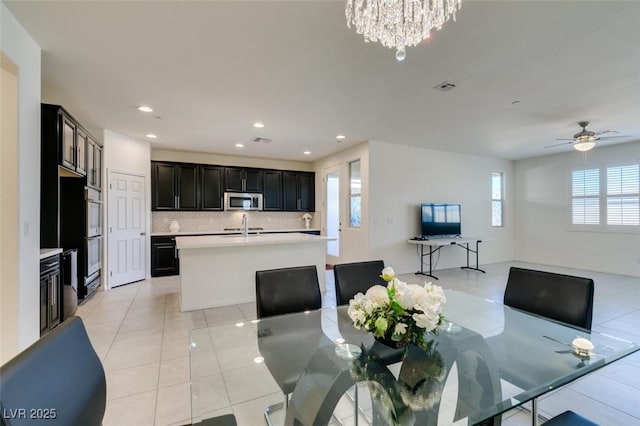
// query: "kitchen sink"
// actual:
[[240, 229]]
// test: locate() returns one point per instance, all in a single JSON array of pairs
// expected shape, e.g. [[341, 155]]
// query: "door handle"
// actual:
[[143, 233]]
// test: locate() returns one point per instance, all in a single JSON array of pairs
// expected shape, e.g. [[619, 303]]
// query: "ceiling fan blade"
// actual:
[[559, 144], [606, 131], [614, 137], [565, 139]]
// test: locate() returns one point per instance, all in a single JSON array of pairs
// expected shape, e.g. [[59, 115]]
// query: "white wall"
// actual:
[[542, 202], [402, 177], [125, 154], [23, 325], [228, 160]]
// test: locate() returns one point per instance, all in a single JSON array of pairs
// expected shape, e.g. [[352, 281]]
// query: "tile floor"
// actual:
[[142, 338]]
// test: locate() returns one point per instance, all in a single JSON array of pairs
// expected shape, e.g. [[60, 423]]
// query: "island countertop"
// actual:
[[205, 241], [231, 232]]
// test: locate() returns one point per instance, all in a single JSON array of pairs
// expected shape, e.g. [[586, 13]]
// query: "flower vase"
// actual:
[[389, 343]]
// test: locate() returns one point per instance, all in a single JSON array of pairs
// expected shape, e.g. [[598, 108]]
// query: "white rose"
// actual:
[[377, 295], [403, 294], [400, 328], [388, 274]]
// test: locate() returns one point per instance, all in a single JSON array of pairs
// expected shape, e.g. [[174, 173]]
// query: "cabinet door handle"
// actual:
[[175, 202]]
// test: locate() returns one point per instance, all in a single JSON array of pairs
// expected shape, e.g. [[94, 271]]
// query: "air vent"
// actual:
[[261, 140], [445, 86]]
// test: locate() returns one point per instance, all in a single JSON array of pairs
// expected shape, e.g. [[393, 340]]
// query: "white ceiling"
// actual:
[[212, 68]]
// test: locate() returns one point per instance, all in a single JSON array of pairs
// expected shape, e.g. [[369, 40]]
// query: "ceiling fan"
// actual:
[[585, 139]]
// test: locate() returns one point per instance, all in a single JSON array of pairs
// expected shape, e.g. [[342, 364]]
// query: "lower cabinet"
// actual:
[[49, 294], [164, 256]]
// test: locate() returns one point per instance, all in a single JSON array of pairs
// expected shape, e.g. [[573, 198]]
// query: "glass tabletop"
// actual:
[[486, 359]]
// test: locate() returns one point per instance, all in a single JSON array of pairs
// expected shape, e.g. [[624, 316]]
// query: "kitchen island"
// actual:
[[219, 270]]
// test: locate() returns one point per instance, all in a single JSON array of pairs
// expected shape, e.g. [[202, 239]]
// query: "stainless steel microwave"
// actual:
[[242, 201]]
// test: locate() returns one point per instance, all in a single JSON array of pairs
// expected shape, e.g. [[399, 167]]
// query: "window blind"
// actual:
[[585, 193], [623, 195]]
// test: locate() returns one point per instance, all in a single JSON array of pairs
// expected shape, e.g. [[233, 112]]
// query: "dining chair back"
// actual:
[[569, 418], [353, 278], [287, 290], [559, 297], [59, 376], [287, 348]]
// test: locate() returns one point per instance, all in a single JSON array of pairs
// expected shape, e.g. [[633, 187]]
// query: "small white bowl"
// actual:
[[582, 346]]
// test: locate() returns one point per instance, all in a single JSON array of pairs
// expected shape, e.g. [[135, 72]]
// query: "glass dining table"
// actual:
[[486, 359]]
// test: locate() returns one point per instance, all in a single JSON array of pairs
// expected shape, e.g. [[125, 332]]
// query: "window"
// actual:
[[497, 198], [585, 197], [608, 197], [355, 195], [623, 195]]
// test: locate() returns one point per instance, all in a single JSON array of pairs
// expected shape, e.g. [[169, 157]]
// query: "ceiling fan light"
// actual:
[[583, 146]]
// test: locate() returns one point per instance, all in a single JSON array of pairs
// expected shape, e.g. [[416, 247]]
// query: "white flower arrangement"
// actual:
[[401, 313]]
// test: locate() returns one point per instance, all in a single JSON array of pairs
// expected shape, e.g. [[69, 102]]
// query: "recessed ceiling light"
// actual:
[[258, 125], [151, 136], [239, 145], [340, 137], [145, 108], [307, 152]]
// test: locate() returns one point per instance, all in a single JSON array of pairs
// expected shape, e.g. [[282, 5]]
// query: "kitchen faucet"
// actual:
[[245, 226]]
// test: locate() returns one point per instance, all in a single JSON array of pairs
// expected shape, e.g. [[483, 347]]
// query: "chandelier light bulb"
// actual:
[[401, 53]]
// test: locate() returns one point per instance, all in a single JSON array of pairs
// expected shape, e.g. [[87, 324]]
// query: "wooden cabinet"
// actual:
[[65, 139], [243, 180], [272, 192], [94, 164], [164, 256], [211, 187], [175, 186], [298, 191], [186, 186], [50, 311]]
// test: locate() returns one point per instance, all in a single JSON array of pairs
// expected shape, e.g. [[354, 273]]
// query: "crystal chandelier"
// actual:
[[399, 23]]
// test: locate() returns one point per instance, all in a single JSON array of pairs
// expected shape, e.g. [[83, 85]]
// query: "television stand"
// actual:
[[436, 244]]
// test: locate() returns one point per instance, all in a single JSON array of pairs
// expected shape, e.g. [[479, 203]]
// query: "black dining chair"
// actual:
[[563, 298], [59, 379], [357, 277], [559, 297], [285, 347], [569, 418]]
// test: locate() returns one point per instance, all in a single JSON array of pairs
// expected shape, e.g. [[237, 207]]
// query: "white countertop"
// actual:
[[208, 241], [264, 231], [46, 252]]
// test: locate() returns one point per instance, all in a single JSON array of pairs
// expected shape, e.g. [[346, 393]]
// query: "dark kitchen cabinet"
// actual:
[[164, 256], [94, 164], [272, 192], [211, 187], [175, 186], [298, 191], [50, 311], [64, 138], [243, 180]]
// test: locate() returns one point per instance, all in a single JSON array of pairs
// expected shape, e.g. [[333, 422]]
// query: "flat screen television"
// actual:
[[440, 220]]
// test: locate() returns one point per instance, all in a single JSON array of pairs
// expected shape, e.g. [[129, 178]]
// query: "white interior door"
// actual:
[[127, 228], [333, 221]]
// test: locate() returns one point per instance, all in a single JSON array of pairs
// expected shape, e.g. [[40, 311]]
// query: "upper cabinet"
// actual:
[[211, 187], [94, 164], [174, 186], [298, 191], [272, 194], [63, 139], [243, 180], [185, 186]]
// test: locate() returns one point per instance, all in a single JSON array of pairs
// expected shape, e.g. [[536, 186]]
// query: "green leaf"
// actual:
[[381, 326]]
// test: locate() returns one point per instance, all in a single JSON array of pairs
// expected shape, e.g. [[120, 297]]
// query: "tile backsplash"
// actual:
[[217, 221]]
